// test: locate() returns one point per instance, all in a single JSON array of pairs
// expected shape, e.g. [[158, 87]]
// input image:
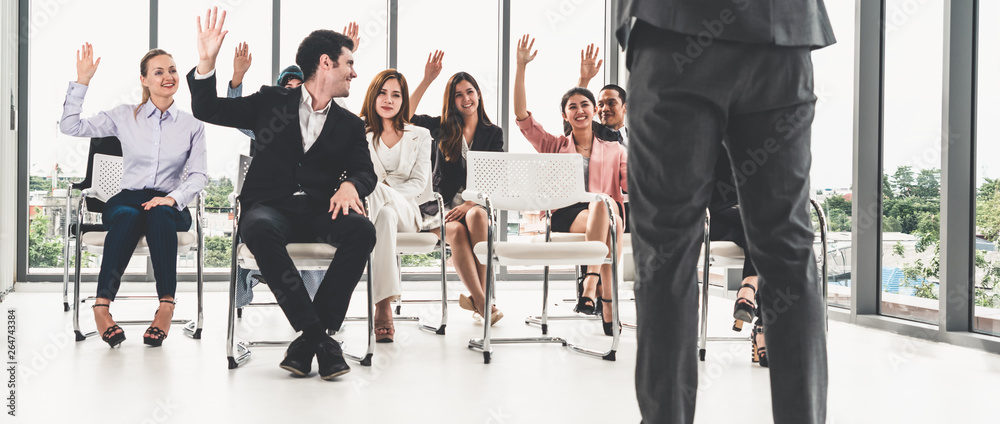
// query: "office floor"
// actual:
[[875, 377]]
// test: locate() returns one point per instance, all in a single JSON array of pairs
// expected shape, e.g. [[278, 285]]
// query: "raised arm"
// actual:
[[241, 64], [210, 37], [589, 65], [524, 55], [431, 71], [100, 125], [351, 31], [205, 103]]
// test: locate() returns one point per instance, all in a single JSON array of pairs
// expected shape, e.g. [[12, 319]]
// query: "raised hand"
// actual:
[[351, 31], [86, 67], [210, 38], [242, 59], [434, 65], [589, 65], [524, 54]]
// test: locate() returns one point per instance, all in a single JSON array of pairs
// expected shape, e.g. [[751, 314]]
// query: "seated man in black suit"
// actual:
[[294, 190]]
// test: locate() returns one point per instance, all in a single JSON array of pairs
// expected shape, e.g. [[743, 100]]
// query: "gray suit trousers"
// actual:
[[685, 104]]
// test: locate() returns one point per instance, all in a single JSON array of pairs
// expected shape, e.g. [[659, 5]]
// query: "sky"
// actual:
[[468, 32]]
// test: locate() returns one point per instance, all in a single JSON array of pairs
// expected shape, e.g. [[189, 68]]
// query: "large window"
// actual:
[[986, 291], [467, 32], [832, 139], [57, 30], [911, 160], [560, 29], [250, 22]]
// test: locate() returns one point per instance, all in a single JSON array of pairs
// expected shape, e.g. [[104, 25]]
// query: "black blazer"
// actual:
[[448, 177], [280, 166], [779, 22]]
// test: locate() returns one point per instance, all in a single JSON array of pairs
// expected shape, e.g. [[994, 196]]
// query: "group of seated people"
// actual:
[[315, 162]]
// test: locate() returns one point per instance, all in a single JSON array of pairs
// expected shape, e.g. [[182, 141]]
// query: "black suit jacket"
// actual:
[[280, 166], [448, 177], [779, 22]]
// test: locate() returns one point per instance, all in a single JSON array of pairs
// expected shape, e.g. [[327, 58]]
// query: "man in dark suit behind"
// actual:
[[294, 190], [702, 72]]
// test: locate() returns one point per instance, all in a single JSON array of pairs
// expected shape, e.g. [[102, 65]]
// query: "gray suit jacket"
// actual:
[[779, 22]]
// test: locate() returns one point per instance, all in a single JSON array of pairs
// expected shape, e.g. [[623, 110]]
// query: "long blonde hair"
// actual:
[[143, 68]]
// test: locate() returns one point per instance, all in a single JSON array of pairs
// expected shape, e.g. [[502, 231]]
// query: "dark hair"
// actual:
[[318, 43], [621, 91], [452, 122], [373, 122], [574, 91], [143, 69]]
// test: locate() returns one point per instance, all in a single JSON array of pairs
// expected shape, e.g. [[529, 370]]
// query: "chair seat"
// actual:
[[576, 237], [541, 254], [305, 256], [93, 242], [415, 243]]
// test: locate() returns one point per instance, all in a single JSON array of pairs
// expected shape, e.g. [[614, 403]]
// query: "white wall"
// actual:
[[8, 144]]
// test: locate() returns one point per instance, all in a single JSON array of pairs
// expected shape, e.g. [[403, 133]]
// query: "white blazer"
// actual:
[[414, 171]]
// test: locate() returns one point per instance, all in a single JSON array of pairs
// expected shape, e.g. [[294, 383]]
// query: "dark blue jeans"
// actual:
[[126, 222]]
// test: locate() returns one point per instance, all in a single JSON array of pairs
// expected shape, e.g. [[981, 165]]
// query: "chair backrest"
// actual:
[[107, 179], [527, 181], [241, 173], [110, 146]]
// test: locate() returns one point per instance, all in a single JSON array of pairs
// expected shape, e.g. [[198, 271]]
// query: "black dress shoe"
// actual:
[[299, 356], [331, 361]]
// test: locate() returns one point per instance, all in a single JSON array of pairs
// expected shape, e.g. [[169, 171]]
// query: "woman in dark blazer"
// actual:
[[462, 126]]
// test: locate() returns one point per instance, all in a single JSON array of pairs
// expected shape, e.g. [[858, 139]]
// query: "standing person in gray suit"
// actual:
[[707, 75]]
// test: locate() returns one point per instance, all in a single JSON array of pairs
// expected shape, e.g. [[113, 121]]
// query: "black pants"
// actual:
[[268, 227], [127, 221], [759, 98], [727, 225]]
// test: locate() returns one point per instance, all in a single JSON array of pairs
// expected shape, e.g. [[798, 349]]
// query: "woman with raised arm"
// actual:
[[462, 126], [604, 164], [401, 155], [163, 150]]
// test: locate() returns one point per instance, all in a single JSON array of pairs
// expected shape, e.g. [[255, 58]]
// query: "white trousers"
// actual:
[[390, 213]]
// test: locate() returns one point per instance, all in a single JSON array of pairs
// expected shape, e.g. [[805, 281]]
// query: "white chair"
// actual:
[[419, 244], [305, 256], [107, 175], [520, 182]]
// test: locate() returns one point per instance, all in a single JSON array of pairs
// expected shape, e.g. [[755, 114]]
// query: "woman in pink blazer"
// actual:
[[604, 165]]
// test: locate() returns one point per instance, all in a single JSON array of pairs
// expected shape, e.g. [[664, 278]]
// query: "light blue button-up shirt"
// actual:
[[161, 151]]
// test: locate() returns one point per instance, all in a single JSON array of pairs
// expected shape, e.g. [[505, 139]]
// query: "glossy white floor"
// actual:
[[875, 377]]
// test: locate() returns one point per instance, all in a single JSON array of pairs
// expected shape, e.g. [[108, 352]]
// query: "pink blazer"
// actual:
[[608, 159]]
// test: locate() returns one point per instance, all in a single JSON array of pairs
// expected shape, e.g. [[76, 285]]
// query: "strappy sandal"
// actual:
[[113, 335], [607, 325], [759, 352], [389, 329], [154, 335], [586, 305], [465, 302], [744, 309]]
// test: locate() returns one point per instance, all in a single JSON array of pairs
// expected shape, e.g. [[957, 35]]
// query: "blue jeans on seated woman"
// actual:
[[127, 221]]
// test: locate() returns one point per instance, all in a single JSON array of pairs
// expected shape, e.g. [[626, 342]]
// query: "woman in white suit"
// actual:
[[401, 155]]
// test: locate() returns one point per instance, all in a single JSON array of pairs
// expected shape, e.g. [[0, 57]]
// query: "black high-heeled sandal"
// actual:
[[607, 325], [744, 309], [586, 305], [113, 335], [156, 336], [759, 352]]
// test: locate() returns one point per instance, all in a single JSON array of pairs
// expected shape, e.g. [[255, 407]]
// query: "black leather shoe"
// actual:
[[298, 357], [331, 361]]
